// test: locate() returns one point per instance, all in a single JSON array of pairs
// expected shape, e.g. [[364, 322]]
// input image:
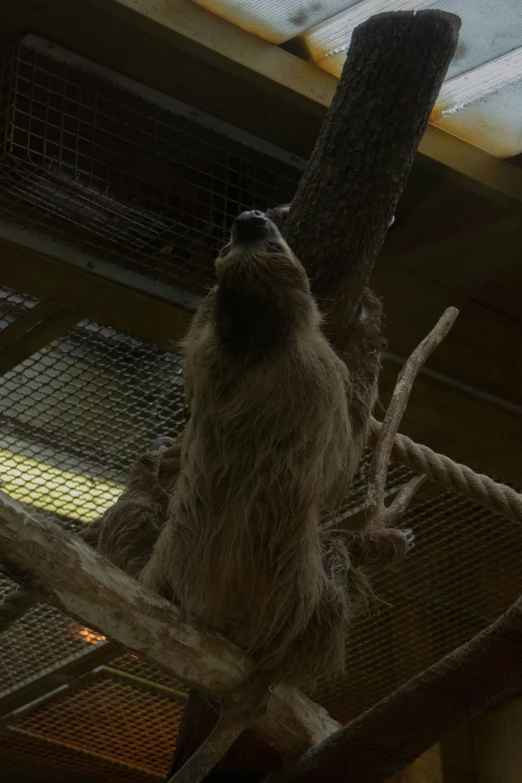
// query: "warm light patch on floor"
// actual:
[[50, 488]]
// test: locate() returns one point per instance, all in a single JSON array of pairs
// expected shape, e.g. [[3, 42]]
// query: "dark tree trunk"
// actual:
[[347, 196], [388, 737], [339, 218]]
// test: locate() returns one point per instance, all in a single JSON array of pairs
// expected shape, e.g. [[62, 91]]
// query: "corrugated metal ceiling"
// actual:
[[481, 100]]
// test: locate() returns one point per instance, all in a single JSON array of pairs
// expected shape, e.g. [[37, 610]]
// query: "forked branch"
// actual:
[[238, 713], [453, 476], [380, 516]]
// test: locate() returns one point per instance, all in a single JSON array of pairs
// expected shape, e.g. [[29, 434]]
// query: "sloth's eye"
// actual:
[[273, 247], [225, 250]]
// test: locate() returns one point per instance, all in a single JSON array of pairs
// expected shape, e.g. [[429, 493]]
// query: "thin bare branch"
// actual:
[[378, 516], [229, 727], [245, 706], [402, 500]]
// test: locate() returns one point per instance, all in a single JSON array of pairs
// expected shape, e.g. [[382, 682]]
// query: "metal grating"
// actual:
[[110, 720], [75, 415], [463, 573], [13, 305], [131, 665], [26, 759], [34, 646], [84, 407], [135, 182]]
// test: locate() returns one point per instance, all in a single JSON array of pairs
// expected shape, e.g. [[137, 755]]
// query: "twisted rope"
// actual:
[[453, 476]]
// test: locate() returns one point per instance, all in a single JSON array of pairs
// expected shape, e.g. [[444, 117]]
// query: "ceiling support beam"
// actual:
[[230, 48]]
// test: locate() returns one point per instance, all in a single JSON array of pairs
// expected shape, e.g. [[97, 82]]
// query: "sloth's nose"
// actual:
[[254, 216], [249, 226]]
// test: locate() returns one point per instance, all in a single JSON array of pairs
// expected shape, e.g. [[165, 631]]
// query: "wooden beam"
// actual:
[[426, 769], [230, 48], [32, 337], [471, 168], [87, 295], [459, 263], [482, 350], [488, 749], [160, 43]]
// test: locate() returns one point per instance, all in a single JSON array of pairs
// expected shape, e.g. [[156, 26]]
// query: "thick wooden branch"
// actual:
[[390, 736], [77, 580], [345, 201]]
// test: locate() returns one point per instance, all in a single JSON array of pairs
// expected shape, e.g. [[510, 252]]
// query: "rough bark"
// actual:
[[391, 735], [345, 201], [347, 196], [76, 579]]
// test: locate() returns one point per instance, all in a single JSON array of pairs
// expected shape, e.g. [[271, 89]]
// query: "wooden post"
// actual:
[[347, 196], [489, 748], [426, 769]]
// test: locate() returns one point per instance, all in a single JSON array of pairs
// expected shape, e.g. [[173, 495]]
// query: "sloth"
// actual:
[[227, 519], [277, 426]]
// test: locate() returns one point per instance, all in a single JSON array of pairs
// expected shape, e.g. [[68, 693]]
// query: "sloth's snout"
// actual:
[[253, 226]]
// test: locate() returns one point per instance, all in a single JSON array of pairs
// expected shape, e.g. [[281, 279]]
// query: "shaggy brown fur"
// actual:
[[277, 426], [130, 528]]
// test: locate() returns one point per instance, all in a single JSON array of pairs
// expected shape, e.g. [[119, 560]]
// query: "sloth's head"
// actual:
[[253, 232], [263, 293], [257, 247]]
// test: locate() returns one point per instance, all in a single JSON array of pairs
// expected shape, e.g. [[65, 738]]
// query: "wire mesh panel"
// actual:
[[112, 174], [76, 413], [27, 759], [99, 168], [462, 574], [111, 720], [73, 418]]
